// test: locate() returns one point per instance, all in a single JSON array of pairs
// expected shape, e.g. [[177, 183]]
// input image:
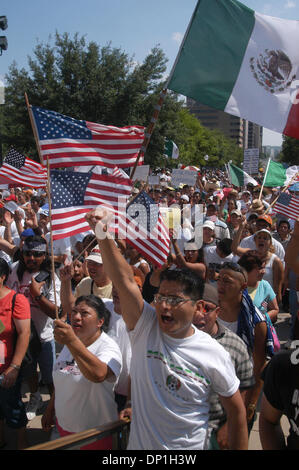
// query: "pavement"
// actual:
[[36, 435]]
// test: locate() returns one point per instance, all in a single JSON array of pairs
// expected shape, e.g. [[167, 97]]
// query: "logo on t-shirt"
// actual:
[[173, 383]]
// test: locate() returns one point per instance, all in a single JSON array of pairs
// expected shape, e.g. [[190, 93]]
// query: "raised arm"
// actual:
[[117, 268], [236, 248]]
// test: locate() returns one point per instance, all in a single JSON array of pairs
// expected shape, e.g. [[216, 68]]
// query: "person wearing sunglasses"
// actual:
[[174, 366], [31, 276]]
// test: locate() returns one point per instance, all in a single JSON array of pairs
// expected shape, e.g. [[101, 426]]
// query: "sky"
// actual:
[[135, 26]]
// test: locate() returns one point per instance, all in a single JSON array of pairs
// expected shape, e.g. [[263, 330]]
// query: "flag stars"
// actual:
[[54, 125]]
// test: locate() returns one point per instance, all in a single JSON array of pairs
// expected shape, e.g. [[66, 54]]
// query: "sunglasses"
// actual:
[[35, 254], [170, 300]]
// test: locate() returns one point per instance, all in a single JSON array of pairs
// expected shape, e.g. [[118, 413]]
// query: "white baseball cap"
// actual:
[[209, 224], [95, 256]]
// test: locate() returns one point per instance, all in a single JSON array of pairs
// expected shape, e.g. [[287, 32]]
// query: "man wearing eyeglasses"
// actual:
[[31, 276], [174, 366]]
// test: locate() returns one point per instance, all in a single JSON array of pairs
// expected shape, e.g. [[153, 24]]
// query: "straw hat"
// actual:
[[212, 186], [257, 206]]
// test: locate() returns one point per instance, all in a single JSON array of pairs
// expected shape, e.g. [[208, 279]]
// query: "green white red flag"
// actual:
[[242, 62]]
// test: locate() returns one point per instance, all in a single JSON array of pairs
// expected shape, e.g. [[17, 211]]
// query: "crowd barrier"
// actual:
[[119, 430]]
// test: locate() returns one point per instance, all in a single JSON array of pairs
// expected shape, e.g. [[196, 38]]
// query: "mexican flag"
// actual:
[[277, 175], [242, 62], [170, 149], [239, 177]]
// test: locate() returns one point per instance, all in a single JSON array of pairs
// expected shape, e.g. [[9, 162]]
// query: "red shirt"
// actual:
[[8, 336]]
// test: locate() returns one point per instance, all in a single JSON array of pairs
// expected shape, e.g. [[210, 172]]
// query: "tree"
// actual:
[[290, 151], [87, 82], [195, 141], [105, 85]]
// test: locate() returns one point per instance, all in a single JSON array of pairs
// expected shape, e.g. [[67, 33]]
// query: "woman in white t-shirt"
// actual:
[[85, 372]]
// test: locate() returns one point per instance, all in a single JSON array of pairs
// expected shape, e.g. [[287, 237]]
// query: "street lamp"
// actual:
[[3, 40]]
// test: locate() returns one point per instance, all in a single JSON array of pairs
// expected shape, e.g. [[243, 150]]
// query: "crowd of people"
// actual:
[[185, 350]]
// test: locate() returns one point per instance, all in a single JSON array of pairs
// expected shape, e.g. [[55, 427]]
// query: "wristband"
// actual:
[[14, 366], [38, 297]]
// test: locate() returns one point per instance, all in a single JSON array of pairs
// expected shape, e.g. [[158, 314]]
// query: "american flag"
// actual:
[[23, 171], [287, 205], [68, 142], [145, 229], [74, 194]]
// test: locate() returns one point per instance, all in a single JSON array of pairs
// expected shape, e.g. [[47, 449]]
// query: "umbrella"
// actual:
[[193, 168], [294, 187]]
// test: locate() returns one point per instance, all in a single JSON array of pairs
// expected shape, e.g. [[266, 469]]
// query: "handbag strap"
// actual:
[[13, 302]]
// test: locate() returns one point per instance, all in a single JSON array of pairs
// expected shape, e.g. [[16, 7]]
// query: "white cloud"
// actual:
[[290, 4], [177, 37]]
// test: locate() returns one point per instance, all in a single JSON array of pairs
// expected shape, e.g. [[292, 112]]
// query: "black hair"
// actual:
[[4, 269], [81, 258], [283, 221], [200, 256], [250, 261], [46, 264], [235, 267], [192, 285], [98, 305], [225, 245]]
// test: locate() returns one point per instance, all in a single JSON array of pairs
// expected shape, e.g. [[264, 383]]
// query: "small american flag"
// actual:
[[68, 142], [287, 205], [23, 171], [73, 194], [145, 229]]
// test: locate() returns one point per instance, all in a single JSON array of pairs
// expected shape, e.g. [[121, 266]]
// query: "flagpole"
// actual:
[[48, 192], [161, 100], [266, 172], [34, 129], [150, 129]]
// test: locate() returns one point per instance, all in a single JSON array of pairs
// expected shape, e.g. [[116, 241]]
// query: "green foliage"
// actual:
[[290, 151], [195, 141], [105, 85]]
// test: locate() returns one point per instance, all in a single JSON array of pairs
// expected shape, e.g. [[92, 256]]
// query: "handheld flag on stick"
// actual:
[[171, 149], [68, 142], [23, 171], [73, 194], [287, 205]]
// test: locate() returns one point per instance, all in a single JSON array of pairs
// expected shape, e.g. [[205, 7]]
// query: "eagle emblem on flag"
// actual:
[[273, 70]]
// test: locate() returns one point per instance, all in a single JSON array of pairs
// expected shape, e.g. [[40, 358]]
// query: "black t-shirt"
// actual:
[[281, 388]]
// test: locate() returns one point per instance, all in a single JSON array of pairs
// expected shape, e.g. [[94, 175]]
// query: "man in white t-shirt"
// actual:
[[174, 366]]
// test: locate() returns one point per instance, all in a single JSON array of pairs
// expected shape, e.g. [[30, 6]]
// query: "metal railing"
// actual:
[[119, 430]]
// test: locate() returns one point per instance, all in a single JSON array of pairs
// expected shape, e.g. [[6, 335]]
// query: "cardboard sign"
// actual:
[[183, 177], [251, 161], [141, 173], [153, 179]]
